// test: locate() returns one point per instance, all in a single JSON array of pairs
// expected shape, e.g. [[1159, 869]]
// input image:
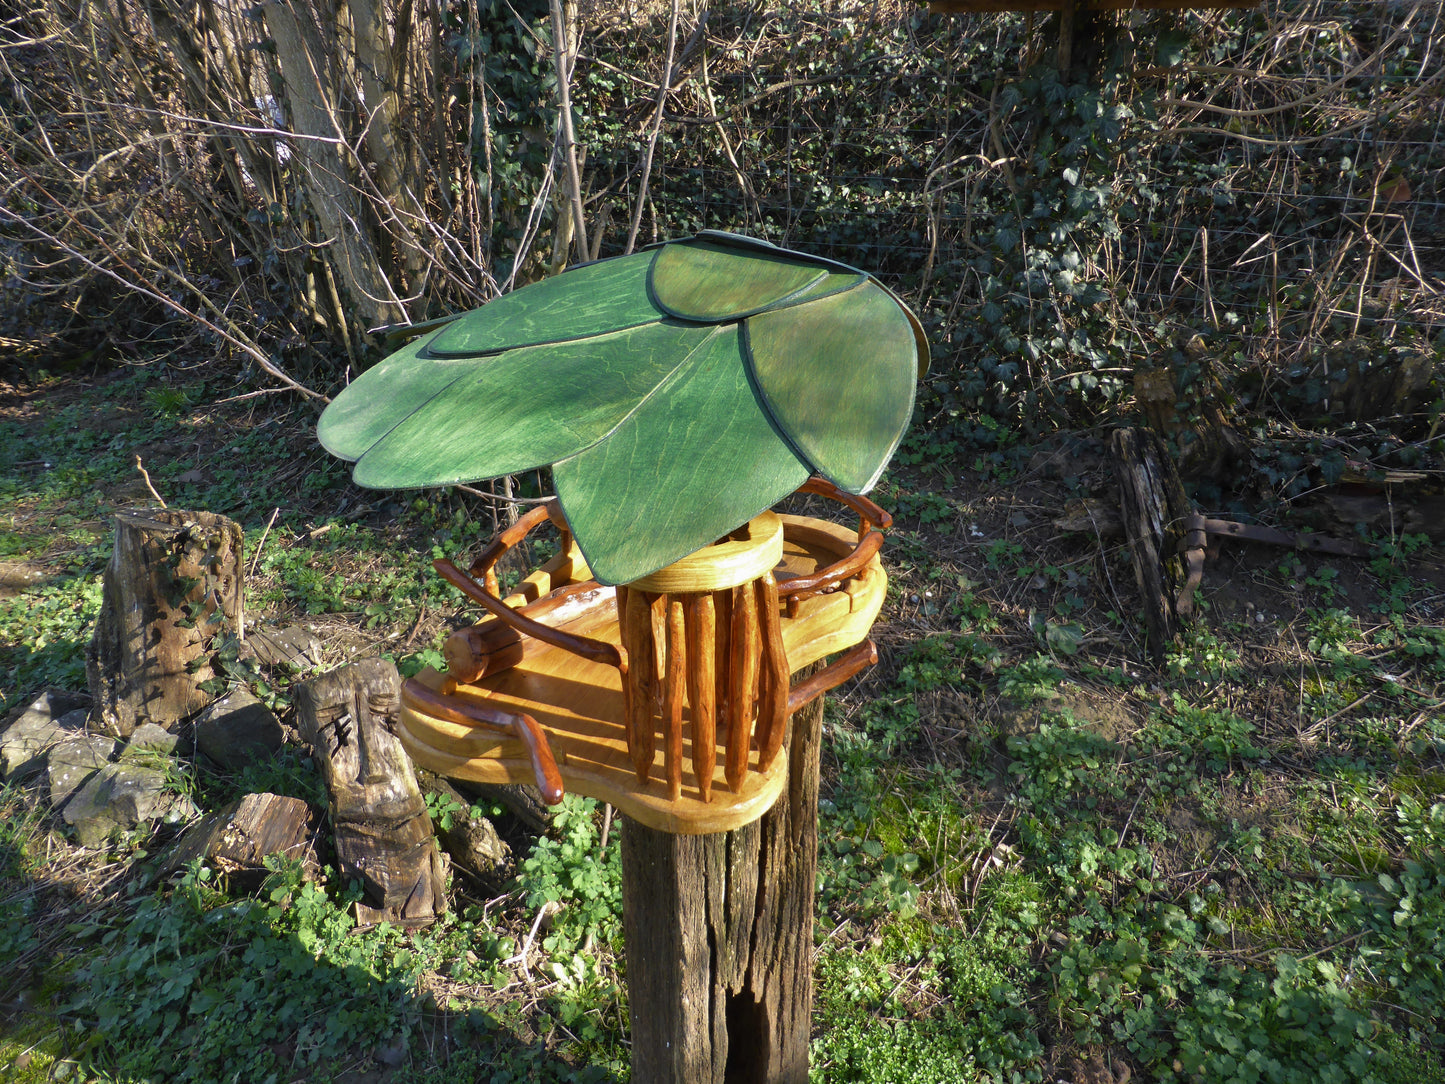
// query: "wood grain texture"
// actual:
[[372, 404], [722, 678], [490, 645], [630, 378], [837, 376], [673, 695], [1154, 508], [749, 551], [580, 704], [586, 301], [657, 612], [773, 681], [699, 461], [745, 647], [700, 616], [587, 648], [705, 281], [719, 939], [524, 408], [173, 582], [641, 676], [382, 830], [445, 704]]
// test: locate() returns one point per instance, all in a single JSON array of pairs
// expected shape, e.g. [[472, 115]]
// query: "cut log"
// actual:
[[471, 841], [235, 841], [384, 836], [719, 935], [173, 583], [1155, 509]]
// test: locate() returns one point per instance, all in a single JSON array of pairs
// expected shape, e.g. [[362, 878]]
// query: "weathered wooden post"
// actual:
[[719, 933], [668, 659], [673, 697]]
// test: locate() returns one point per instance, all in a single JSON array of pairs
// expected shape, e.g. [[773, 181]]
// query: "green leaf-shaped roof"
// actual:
[[677, 392]]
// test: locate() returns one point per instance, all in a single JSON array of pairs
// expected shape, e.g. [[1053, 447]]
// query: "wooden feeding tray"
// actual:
[[694, 655]]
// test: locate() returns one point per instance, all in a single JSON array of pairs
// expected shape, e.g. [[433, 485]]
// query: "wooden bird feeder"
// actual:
[[678, 394], [668, 697]]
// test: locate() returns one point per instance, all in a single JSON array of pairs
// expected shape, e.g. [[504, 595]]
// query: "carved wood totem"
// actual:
[[383, 833]]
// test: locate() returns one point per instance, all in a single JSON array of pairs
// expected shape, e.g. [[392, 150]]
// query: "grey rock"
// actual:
[[121, 796], [238, 730], [294, 647], [393, 1053], [150, 738], [71, 763], [49, 720]]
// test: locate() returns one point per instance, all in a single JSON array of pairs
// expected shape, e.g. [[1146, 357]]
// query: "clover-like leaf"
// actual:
[[676, 393]]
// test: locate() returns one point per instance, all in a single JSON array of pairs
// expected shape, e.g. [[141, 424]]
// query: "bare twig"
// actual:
[[145, 476]]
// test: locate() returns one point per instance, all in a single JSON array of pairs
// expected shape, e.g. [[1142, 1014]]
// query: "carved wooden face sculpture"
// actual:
[[354, 714]]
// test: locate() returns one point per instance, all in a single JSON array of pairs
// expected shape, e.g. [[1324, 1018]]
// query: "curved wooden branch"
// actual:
[[587, 648], [522, 727], [873, 516], [485, 564], [871, 521], [833, 675]]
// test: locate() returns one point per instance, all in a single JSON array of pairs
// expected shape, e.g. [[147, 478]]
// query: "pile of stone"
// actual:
[[102, 786]]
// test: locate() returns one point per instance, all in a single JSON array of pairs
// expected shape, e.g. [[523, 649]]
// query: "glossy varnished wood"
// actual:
[[579, 703]]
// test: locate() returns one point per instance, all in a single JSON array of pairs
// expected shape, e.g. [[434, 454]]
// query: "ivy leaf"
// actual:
[[1171, 47], [676, 393]]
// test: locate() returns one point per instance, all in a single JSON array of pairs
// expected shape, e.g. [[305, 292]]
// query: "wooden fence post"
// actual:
[[719, 932]]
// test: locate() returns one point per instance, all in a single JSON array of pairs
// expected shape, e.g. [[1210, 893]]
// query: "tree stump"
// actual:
[[383, 833], [1155, 510], [173, 583], [719, 934]]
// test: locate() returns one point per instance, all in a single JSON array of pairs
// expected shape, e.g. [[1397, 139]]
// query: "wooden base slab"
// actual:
[[579, 703]]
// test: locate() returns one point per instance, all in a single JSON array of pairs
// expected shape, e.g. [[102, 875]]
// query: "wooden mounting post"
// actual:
[[719, 932]]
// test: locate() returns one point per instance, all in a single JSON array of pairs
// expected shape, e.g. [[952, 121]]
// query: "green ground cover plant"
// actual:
[[1036, 853]]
